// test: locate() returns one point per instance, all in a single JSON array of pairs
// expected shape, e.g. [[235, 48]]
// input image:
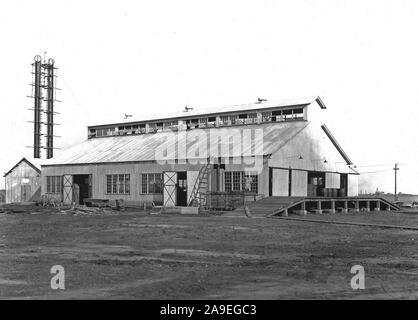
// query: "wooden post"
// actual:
[[396, 168], [345, 210], [304, 208], [377, 208], [368, 206], [332, 206], [319, 211], [357, 206], [285, 213]]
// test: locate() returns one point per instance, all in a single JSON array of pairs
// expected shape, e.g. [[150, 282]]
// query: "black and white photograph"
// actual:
[[221, 152]]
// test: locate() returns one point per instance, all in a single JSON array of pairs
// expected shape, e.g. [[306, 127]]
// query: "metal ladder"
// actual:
[[198, 194]]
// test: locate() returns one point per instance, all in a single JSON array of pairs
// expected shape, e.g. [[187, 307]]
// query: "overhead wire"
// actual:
[[73, 95]]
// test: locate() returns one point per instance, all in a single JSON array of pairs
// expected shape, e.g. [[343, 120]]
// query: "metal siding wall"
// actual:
[[314, 147], [263, 181], [99, 172], [280, 182], [299, 183]]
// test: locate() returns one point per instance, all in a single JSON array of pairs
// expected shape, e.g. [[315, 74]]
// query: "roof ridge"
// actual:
[[19, 162], [221, 109]]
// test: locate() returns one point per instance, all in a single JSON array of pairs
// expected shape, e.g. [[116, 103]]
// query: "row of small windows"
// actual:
[[205, 122], [53, 184], [282, 115], [118, 184], [239, 119], [241, 181], [152, 183]]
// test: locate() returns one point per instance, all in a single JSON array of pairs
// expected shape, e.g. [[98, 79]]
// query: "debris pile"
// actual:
[[23, 207], [92, 207], [61, 209], [78, 210]]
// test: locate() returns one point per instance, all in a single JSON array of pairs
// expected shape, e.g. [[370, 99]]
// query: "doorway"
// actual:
[[25, 192], [82, 187], [182, 189], [316, 184], [343, 185], [280, 182], [170, 188]]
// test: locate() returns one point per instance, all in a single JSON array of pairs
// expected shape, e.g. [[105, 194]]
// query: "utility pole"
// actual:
[[396, 168]]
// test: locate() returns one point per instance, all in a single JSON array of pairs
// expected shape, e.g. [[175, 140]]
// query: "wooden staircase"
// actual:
[[200, 188]]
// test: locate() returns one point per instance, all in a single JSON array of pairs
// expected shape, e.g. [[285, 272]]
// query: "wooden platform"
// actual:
[[283, 206], [267, 206]]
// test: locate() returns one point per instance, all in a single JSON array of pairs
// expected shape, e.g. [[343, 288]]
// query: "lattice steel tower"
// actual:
[[44, 93]]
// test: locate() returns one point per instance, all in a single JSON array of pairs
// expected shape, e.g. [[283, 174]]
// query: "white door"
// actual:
[[299, 183], [352, 185], [332, 180], [170, 188], [280, 182], [67, 189]]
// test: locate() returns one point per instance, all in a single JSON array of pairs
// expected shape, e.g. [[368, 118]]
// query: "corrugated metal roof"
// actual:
[[224, 109], [138, 148]]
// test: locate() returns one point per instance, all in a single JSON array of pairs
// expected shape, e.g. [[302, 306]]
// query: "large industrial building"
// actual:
[[264, 149]]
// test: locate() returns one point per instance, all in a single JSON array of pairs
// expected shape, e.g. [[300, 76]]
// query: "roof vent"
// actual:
[[187, 109], [260, 100]]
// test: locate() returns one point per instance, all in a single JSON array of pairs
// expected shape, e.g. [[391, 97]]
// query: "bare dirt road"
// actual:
[[138, 256]]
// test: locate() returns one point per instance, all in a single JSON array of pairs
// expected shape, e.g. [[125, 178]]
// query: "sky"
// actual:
[[149, 57]]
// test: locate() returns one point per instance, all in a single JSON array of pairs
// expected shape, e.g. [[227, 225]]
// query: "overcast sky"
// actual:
[[148, 57]]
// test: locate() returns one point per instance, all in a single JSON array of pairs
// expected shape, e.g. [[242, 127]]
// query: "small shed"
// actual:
[[23, 182]]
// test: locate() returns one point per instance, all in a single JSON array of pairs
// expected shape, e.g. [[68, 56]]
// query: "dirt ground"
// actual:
[[137, 256]]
